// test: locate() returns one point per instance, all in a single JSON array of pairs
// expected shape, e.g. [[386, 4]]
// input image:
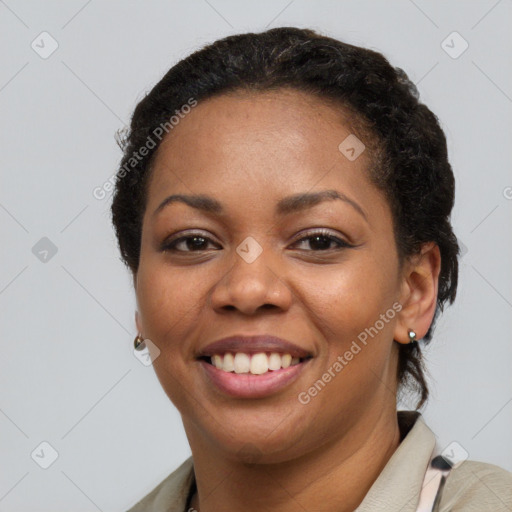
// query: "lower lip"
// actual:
[[246, 385]]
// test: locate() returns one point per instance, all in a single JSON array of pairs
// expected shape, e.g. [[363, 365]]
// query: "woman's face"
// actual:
[[261, 264]]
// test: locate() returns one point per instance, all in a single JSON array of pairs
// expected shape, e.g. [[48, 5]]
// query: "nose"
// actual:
[[247, 287]]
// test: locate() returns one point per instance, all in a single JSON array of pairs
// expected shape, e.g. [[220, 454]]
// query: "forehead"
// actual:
[[285, 134], [238, 114]]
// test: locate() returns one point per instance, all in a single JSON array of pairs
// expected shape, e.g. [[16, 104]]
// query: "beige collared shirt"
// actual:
[[470, 487]]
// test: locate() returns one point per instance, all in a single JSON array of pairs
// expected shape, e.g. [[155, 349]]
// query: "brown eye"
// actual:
[[190, 243], [323, 240]]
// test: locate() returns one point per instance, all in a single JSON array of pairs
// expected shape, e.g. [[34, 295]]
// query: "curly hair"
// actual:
[[407, 146]]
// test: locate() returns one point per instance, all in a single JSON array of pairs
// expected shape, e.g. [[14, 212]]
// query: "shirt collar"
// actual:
[[398, 486]]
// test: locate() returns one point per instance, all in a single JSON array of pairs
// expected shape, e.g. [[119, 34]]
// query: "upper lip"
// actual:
[[253, 345]]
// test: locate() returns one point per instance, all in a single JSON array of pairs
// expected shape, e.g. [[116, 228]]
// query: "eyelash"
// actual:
[[171, 245]]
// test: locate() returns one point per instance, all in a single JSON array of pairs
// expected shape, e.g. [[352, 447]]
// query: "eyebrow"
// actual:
[[285, 206]]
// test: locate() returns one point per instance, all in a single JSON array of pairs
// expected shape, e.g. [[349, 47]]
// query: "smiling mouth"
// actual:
[[259, 363]]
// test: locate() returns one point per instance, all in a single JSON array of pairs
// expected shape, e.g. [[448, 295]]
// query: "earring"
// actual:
[[138, 341], [412, 336]]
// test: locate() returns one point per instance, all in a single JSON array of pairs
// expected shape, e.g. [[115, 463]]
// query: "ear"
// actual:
[[419, 293], [138, 323]]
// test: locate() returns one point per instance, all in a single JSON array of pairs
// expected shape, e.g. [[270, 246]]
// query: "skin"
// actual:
[[249, 151]]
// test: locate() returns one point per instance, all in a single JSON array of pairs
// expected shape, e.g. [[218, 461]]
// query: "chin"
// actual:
[[255, 437]]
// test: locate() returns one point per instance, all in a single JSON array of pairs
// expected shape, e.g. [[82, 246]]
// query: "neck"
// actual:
[[335, 477]]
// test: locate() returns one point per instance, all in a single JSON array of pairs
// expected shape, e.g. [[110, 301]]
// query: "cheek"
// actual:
[[358, 343], [167, 303], [352, 296], [353, 309], [166, 298]]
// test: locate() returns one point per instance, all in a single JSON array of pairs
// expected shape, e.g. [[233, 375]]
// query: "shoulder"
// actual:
[[171, 494], [476, 486]]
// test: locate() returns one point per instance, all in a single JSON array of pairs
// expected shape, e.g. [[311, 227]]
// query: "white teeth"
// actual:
[[259, 364], [229, 363], [274, 361], [256, 364], [242, 363]]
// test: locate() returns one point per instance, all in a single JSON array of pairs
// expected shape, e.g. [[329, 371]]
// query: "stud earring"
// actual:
[[412, 336], [138, 341]]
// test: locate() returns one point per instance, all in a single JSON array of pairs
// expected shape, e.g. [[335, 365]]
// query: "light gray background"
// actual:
[[68, 374]]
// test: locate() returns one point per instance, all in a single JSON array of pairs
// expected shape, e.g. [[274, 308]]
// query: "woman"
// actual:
[[284, 207]]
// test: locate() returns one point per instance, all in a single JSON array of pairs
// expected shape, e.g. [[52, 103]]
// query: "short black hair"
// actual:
[[404, 139]]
